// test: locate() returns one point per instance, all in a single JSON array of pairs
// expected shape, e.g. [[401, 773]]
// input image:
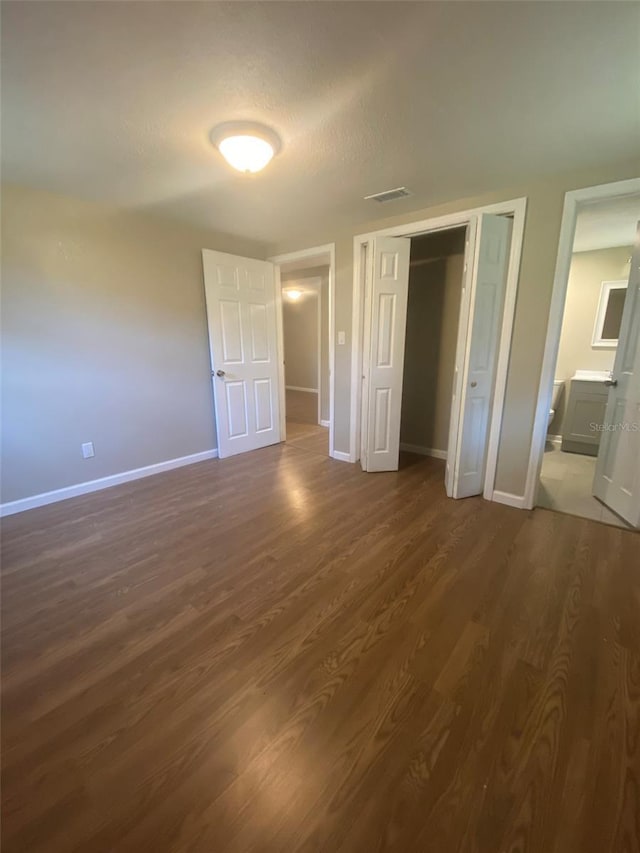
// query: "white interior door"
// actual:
[[477, 354], [241, 314], [390, 288], [617, 477]]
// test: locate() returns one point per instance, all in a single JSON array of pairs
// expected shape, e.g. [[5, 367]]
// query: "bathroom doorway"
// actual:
[[599, 270]]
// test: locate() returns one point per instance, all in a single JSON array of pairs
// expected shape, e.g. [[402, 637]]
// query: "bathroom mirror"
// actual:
[[606, 330]]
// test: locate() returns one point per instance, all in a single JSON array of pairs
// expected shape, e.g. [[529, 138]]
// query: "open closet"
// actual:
[[433, 320], [436, 272]]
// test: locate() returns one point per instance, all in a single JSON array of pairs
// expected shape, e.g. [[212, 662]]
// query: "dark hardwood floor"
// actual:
[[277, 652]]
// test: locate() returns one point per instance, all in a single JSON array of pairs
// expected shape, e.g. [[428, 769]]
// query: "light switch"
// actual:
[[342, 338], [87, 450]]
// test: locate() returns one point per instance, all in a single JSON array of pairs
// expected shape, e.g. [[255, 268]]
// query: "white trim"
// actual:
[[305, 254], [325, 423], [514, 207], [298, 388], [517, 501], [423, 451], [45, 498], [332, 347], [572, 201], [442, 223], [319, 348], [314, 253], [340, 456], [280, 355], [361, 255]]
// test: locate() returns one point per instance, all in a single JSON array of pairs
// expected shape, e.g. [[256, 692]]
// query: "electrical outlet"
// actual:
[[342, 338], [87, 450]]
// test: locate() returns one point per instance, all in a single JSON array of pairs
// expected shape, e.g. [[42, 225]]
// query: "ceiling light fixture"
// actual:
[[293, 294], [245, 145]]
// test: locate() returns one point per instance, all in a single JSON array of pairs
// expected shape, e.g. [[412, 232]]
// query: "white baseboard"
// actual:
[[297, 388], [325, 423], [555, 439], [341, 456], [45, 498], [423, 451], [517, 501]]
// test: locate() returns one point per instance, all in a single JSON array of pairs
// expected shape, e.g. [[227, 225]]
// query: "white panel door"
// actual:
[[617, 477], [470, 430], [390, 288], [241, 314]]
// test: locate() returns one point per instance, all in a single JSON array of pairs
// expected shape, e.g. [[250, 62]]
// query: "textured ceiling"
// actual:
[[608, 223], [114, 102]]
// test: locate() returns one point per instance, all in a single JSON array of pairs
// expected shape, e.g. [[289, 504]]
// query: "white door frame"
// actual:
[[573, 201], [314, 289], [513, 207], [311, 254]]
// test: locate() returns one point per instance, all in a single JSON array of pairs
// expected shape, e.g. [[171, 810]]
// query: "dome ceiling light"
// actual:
[[245, 145]]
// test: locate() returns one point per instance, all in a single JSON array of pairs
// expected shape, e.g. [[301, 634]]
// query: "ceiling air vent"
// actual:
[[389, 195]]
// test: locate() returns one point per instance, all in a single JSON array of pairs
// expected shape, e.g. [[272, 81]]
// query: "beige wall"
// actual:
[[105, 333], [544, 210], [104, 340], [300, 327], [588, 271], [321, 272], [430, 351]]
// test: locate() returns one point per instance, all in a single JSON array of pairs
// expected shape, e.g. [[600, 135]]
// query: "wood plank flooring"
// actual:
[[303, 431], [301, 406], [314, 439], [277, 652]]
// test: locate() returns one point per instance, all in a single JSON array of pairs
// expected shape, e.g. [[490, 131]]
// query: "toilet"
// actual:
[[558, 385]]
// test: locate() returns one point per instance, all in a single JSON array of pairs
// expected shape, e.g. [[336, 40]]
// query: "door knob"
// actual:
[[611, 383], [473, 384], [220, 373]]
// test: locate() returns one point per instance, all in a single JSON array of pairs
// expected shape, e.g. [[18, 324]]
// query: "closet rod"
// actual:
[[428, 260]]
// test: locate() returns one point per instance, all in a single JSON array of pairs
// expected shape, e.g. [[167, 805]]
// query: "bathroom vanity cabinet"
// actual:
[[586, 406]]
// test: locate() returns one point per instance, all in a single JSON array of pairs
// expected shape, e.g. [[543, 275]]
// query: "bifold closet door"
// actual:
[[384, 362], [477, 357]]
